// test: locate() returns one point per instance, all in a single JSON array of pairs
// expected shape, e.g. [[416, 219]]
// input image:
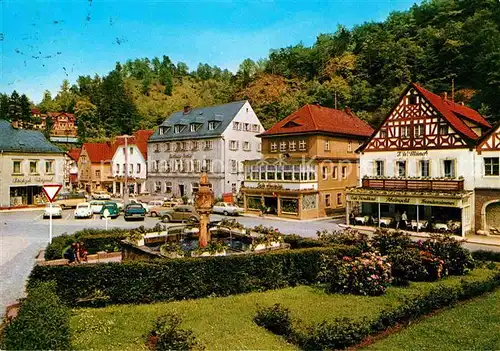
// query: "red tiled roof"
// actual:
[[74, 153], [315, 118], [454, 113], [98, 152]]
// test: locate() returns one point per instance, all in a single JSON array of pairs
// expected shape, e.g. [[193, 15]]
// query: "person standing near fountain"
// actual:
[[204, 203]]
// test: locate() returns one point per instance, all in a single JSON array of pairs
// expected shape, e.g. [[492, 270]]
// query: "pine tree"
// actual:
[[25, 107], [4, 106], [14, 112]]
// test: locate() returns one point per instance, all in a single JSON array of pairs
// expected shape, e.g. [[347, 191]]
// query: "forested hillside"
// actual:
[[365, 68]]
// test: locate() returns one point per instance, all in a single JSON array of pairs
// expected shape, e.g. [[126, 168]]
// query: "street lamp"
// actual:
[[125, 178]]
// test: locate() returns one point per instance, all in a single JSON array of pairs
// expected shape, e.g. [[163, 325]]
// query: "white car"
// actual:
[[83, 210], [101, 195], [56, 211], [227, 209], [96, 205]]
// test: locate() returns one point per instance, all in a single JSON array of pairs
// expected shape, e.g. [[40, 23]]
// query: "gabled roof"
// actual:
[[485, 136], [224, 114], [24, 140], [315, 118], [139, 138], [74, 153], [454, 113], [98, 152]]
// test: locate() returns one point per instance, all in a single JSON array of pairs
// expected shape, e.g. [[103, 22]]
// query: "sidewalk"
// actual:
[[22, 209], [473, 239], [270, 217]]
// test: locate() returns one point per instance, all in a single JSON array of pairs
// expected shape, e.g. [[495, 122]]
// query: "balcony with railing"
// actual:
[[416, 184]]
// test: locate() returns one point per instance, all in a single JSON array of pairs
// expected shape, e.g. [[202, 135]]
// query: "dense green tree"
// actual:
[[14, 112], [25, 107], [4, 106]]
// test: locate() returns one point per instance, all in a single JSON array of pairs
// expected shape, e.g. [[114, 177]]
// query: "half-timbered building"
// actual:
[[487, 188], [419, 165]]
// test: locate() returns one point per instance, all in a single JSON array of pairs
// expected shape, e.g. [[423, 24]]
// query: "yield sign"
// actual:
[[51, 191]]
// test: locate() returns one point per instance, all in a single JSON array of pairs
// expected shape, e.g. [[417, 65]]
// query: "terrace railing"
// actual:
[[414, 184]]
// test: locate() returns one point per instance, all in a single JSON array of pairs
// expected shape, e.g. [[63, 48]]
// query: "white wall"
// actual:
[[464, 161], [245, 115], [135, 157], [483, 181]]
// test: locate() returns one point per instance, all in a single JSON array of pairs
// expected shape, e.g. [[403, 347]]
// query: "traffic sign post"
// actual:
[[105, 214], [51, 191]]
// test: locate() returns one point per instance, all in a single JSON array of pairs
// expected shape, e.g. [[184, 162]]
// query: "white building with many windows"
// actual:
[[422, 164], [216, 138]]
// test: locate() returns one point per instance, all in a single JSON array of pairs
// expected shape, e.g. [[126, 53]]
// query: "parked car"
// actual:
[[83, 210], [134, 201], [112, 208], [96, 205], [134, 211], [56, 211], [155, 207], [69, 200], [181, 213], [101, 195], [119, 204], [227, 209]]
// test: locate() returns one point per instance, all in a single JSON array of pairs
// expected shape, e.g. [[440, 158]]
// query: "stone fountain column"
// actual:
[[204, 203]]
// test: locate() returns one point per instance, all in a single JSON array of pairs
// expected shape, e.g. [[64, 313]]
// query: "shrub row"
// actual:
[[299, 242], [94, 240], [42, 322], [484, 255], [177, 279], [344, 332]]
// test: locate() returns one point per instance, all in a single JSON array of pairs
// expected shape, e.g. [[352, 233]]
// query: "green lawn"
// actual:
[[472, 326], [226, 322]]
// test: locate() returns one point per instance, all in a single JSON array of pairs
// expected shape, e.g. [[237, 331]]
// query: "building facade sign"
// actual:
[[406, 200], [30, 179], [412, 153]]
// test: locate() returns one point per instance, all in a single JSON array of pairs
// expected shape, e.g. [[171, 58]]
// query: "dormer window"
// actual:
[[212, 125], [162, 130], [178, 128], [193, 127]]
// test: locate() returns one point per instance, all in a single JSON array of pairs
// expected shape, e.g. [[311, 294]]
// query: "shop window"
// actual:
[[254, 202], [255, 172], [34, 167], [449, 168], [296, 172], [288, 173], [491, 166], [271, 172], [424, 168], [279, 172], [339, 199], [290, 206], [401, 168], [16, 167], [327, 200], [312, 172]]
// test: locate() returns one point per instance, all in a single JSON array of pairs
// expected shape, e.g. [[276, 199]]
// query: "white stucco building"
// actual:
[[136, 150], [216, 138]]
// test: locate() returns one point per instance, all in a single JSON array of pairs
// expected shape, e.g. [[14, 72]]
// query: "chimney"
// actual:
[[348, 110], [187, 109], [444, 95], [462, 103], [15, 124]]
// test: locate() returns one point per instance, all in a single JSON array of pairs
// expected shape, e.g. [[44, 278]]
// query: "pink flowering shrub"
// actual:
[[369, 274]]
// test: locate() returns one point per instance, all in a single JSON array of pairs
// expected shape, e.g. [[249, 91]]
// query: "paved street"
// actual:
[[24, 233]]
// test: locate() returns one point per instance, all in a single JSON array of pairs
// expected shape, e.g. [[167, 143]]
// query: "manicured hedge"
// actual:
[[299, 242], [485, 255], [42, 322], [344, 332], [94, 240], [177, 279]]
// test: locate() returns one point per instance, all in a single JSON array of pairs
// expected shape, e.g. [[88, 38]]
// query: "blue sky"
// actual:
[[46, 41]]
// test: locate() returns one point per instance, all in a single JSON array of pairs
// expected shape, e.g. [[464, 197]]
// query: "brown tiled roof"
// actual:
[[98, 152], [315, 118], [139, 138]]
